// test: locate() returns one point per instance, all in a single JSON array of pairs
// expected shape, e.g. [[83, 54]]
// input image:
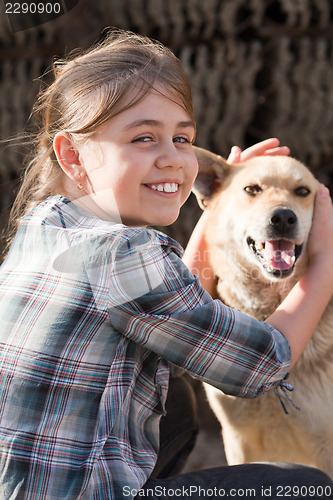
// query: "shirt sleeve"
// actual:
[[154, 300]]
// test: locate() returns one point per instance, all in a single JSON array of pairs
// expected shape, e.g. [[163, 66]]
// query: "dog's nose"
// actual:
[[283, 220]]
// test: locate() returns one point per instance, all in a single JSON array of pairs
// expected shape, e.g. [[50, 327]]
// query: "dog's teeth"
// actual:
[[259, 246]]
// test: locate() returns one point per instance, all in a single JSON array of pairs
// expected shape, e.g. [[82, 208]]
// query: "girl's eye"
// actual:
[[182, 140], [253, 190], [144, 138], [147, 139]]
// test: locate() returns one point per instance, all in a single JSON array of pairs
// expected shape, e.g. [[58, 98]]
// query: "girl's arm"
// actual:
[[196, 255], [298, 315]]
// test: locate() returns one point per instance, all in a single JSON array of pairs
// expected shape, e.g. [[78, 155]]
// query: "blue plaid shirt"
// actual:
[[92, 313]]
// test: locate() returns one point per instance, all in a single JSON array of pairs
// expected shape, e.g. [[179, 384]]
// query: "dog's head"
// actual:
[[261, 210]]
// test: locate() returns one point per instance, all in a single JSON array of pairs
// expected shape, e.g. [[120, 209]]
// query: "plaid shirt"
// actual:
[[91, 315]]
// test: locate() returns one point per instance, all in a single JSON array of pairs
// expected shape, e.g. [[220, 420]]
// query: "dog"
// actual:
[[260, 216]]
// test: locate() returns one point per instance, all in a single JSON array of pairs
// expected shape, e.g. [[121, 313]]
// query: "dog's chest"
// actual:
[[251, 297]]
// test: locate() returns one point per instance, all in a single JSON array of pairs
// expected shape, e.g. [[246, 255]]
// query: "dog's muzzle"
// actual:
[[278, 254], [278, 257]]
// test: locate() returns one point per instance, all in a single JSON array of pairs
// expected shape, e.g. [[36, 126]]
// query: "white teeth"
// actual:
[[166, 188]]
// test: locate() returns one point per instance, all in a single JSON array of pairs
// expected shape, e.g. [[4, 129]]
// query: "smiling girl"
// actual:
[[153, 163], [96, 308]]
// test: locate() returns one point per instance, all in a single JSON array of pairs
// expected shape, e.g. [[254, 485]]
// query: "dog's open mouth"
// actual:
[[278, 257]]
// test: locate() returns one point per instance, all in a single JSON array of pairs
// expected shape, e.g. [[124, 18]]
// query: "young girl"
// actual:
[[95, 307]]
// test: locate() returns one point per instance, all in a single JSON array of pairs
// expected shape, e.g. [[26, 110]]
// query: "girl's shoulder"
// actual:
[[61, 214]]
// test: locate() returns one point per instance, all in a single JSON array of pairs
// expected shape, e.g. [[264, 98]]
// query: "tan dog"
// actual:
[[260, 218]]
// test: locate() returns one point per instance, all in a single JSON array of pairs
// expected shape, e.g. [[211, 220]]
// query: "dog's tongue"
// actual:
[[279, 254]]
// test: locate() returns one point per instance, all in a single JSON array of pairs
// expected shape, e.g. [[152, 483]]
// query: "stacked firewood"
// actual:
[[258, 68]]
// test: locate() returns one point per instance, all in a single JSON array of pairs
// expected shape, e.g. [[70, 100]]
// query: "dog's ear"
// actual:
[[212, 169]]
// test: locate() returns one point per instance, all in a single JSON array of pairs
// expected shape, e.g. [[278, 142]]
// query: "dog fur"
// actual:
[[252, 205]]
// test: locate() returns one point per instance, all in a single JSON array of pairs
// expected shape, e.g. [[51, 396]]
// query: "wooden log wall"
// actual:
[[258, 68]]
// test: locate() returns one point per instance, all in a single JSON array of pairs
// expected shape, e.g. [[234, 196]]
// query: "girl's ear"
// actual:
[[68, 155], [212, 170]]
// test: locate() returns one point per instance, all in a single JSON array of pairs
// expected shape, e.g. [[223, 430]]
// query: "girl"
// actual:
[[95, 307]]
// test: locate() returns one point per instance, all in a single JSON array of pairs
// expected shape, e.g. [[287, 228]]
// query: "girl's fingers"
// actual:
[[235, 155], [282, 150], [269, 147], [321, 235], [260, 148]]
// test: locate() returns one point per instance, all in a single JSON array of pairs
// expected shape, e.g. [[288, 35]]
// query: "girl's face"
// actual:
[[143, 160]]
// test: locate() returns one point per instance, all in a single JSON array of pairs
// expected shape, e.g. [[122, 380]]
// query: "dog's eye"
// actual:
[[253, 190], [302, 191]]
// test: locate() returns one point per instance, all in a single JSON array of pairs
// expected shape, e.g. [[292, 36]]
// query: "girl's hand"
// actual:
[[320, 244], [270, 147]]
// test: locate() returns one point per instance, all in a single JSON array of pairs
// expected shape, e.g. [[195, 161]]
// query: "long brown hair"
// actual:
[[88, 90]]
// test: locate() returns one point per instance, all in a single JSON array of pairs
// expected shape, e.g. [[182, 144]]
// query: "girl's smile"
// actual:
[[142, 158], [167, 187]]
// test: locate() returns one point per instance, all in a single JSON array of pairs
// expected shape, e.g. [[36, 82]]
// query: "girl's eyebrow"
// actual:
[[157, 123]]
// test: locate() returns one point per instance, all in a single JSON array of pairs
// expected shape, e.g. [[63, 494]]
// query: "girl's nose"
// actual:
[[169, 156]]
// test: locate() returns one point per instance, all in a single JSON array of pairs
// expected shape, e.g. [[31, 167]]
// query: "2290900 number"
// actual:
[[304, 491], [32, 8]]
